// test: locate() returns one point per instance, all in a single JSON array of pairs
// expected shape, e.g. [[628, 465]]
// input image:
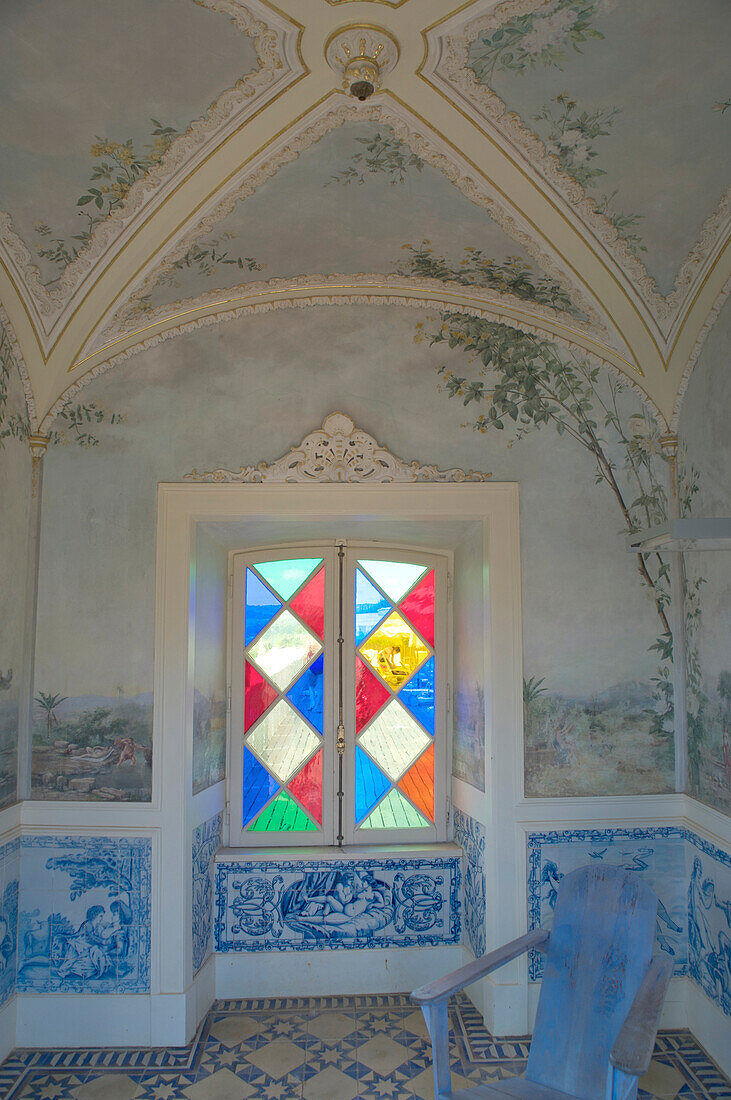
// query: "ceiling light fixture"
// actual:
[[361, 55]]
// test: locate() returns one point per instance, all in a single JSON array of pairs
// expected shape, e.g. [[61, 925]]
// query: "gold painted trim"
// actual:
[[388, 3], [363, 27]]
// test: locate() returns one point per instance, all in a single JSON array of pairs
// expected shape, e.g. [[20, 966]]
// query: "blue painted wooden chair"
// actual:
[[600, 1000]]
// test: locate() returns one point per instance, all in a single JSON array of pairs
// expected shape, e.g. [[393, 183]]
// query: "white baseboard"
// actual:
[[324, 973], [710, 1026], [7, 1027]]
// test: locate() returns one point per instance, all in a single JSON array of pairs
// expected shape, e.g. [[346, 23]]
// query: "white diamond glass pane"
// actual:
[[282, 741], [394, 578], [394, 740], [284, 650]]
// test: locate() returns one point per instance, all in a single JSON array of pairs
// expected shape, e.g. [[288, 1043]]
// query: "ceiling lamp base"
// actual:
[[361, 55]]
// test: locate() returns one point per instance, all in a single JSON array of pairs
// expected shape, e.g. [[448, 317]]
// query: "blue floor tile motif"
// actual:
[[291, 1048]]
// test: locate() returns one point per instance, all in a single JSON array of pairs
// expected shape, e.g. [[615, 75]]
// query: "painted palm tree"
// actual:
[[48, 704]]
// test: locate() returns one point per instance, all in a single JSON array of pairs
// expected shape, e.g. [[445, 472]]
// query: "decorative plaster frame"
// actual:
[[451, 67], [277, 63], [311, 130]]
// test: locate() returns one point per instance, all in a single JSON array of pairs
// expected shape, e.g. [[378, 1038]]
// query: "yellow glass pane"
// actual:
[[395, 651]]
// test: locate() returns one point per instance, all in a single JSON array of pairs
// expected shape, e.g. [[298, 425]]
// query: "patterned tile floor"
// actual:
[[324, 1048]]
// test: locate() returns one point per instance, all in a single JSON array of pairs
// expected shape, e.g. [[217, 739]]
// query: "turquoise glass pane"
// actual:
[[285, 577], [394, 577], [258, 787], [261, 606], [418, 695], [370, 784], [307, 693], [370, 606]]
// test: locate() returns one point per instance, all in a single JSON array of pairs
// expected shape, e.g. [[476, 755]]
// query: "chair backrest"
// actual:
[[600, 946]]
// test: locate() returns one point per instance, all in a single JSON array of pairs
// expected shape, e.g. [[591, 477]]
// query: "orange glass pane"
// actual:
[[418, 607], [258, 695], [307, 787], [309, 604], [418, 783], [395, 651], [370, 695]]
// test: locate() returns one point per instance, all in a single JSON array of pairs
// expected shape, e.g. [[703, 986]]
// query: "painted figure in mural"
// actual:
[[709, 951], [337, 903], [97, 945]]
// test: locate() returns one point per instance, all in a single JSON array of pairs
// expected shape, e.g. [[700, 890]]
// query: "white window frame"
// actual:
[[353, 834]]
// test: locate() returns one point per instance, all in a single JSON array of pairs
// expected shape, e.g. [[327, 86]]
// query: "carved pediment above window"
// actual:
[[338, 452]]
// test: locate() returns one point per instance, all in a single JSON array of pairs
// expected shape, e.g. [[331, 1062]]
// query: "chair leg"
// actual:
[[620, 1085], [437, 1022]]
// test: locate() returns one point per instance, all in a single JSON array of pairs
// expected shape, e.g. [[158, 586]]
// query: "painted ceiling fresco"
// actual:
[[359, 200], [78, 126], [632, 101]]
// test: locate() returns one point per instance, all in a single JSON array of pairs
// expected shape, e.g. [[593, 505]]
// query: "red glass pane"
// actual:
[[370, 695], [309, 604], [307, 787], [418, 783], [419, 608], [258, 695]]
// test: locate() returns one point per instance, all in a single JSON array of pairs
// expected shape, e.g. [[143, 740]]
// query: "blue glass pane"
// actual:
[[285, 577], [258, 786], [370, 784], [370, 606], [261, 606], [307, 694], [418, 695]]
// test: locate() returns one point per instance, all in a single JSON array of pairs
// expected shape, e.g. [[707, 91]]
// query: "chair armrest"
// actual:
[[441, 988], [635, 1043]]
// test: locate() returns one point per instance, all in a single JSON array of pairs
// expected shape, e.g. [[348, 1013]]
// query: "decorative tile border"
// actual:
[[691, 877], [470, 835], [206, 841], [84, 914], [304, 905]]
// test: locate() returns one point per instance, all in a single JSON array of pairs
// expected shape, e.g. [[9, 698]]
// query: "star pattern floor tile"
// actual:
[[321, 1048]]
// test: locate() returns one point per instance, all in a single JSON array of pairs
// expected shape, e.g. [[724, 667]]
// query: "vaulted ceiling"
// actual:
[[559, 164]]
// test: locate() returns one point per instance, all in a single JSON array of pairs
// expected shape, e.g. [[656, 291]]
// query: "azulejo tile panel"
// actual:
[[301, 905], [206, 841], [470, 835], [656, 854], [9, 888], [691, 877], [709, 919], [84, 914]]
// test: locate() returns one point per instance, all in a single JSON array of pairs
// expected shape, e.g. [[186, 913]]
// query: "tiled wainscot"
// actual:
[[691, 877], [206, 842], [84, 915], [9, 889], [470, 835], [301, 905]]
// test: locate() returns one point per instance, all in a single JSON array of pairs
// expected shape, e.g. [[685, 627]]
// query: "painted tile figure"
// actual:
[[84, 918], [709, 936], [366, 903]]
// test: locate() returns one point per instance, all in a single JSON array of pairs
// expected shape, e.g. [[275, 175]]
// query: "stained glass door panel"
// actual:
[[394, 634], [284, 700]]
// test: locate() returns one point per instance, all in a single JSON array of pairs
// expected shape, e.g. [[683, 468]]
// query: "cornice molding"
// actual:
[[452, 68], [426, 146], [273, 67], [378, 290], [338, 452]]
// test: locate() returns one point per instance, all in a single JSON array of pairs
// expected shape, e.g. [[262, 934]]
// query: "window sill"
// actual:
[[324, 853]]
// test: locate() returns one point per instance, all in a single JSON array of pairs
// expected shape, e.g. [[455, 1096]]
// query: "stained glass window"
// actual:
[[287, 709]]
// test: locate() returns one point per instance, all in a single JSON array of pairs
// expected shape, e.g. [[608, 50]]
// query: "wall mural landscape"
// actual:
[[597, 650], [591, 79]]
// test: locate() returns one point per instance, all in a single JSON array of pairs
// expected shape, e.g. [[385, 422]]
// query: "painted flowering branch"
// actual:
[[384, 154]]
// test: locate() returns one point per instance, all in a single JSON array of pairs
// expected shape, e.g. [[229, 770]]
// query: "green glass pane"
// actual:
[[394, 578], [285, 577], [283, 815], [395, 651], [394, 812], [284, 650], [394, 740], [282, 740]]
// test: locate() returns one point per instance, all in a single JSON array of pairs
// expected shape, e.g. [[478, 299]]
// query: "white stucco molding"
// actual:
[[277, 63], [337, 452], [449, 65]]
